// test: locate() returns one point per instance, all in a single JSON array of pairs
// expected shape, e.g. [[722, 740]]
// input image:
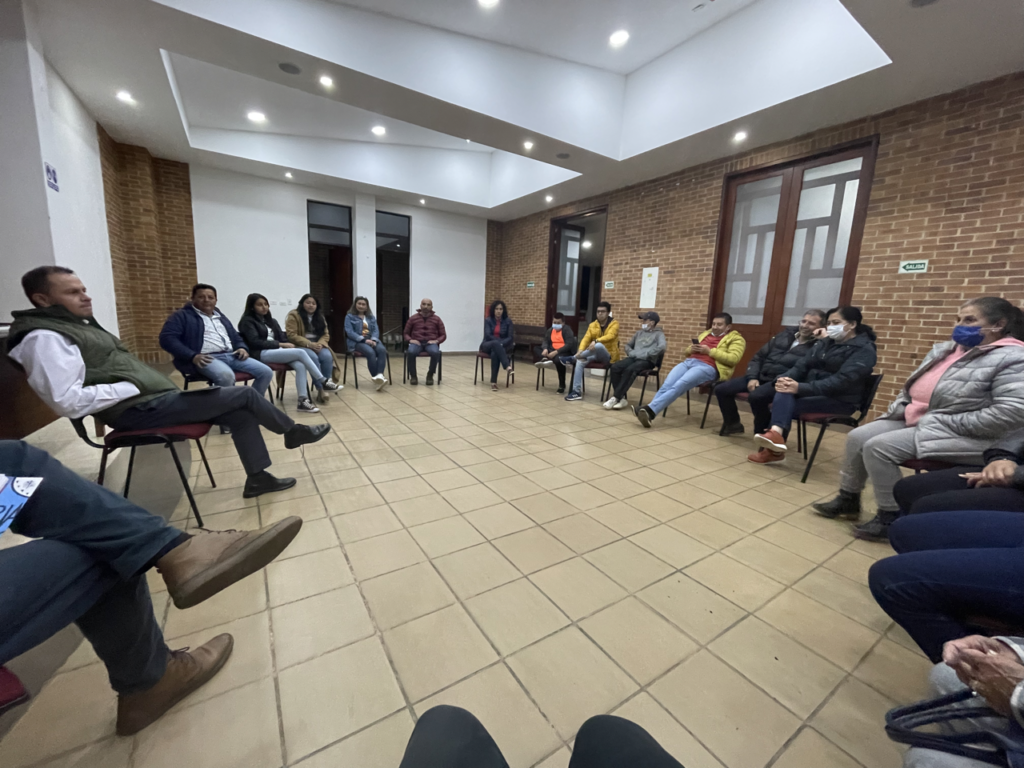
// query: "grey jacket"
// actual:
[[646, 345], [978, 400]]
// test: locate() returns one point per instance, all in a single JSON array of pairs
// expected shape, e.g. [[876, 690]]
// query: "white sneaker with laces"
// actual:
[[609, 404], [621, 405], [380, 381]]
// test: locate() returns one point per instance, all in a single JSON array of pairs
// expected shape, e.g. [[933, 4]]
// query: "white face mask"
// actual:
[[556, 326], [836, 332], [646, 326]]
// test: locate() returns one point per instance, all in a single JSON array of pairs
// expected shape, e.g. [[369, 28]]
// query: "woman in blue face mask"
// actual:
[[967, 394]]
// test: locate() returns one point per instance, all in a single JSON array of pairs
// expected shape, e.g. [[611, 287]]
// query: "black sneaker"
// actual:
[[306, 406], [330, 386], [731, 429], [413, 380], [877, 528], [303, 434], [225, 429], [845, 505], [430, 379], [264, 482], [561, 390], [643, 414]]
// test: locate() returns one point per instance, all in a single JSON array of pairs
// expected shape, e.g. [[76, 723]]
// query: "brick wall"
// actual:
[[152, 247], [948, 186]]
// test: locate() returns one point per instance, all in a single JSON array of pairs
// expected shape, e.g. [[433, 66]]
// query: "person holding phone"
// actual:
[[712, 355]]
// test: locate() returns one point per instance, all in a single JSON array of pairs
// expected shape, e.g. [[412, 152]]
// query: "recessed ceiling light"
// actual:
[[467, 141], [562, 155], [288, 175], [548, 199], [289, 69], [326, 81], [527, 145], [586, 243], [125, 97], [740, 136], [378, 130], [257, 117], [488, 3], [618, 39], [422, 201]]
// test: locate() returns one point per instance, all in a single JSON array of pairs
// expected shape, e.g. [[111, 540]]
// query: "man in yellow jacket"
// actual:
[[713, 357], [600, 344]]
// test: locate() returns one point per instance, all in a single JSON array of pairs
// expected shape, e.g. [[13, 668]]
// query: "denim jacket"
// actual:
[[354, 330]]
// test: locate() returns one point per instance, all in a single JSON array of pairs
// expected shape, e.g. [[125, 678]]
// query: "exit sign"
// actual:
[[910, 267]]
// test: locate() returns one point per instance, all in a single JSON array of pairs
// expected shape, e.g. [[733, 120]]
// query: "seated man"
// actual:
[[424, 332], [642, 352], [88, 566], [772, 360], [79, 369], [600, 344], [712, 358], [203, 342], [558, 342]]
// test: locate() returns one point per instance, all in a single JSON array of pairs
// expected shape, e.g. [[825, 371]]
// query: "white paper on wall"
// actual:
[[649, 288]]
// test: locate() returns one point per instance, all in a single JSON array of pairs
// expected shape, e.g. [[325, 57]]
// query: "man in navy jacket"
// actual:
[[203, 342]]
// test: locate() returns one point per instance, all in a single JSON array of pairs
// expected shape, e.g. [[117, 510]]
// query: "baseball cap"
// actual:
[[650, 316]]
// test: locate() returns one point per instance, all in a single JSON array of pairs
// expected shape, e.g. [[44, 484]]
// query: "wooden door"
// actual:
[[340, 282]]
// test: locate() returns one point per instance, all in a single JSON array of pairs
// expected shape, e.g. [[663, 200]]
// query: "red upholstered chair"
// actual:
[[478, 369], [280, 377], [440, 362], [166, 436], [355, 373]]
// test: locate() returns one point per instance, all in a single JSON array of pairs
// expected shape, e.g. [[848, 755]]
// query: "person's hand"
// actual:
[[286, 345], [241, 354], [201, 361], [752, 385], [998, 474], [988, 667], [592, 345], [787, 386], [694, 349], [952, 651], [371, 342], [316, 346], [820, 333]]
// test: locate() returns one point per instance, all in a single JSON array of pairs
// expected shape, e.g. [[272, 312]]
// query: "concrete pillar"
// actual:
[[364, 247]]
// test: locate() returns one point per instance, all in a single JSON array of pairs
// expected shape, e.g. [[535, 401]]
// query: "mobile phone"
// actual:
[[695, 341]]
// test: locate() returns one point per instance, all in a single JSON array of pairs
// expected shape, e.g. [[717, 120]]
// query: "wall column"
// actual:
[[364, 247]]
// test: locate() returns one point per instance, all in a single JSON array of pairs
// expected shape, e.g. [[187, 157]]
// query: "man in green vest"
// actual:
[[79, 369]]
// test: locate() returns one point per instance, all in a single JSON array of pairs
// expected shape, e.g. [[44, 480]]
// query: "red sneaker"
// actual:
[[764, 456], [771, 440], [12, 692]]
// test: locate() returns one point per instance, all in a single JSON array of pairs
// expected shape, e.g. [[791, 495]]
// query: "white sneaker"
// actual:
[[545, 363], [621, 405], [610, 404], [380, 381]]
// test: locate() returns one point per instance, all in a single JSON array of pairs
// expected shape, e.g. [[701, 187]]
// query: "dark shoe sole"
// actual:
[[866, 536], [643, 417], [723, 432], [302, 442], [14, 702], [835, 516], [259, 553], [285, 484]]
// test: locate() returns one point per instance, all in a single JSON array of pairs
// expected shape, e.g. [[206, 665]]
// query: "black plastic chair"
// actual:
[[355, 373], [828, 419], [707, 406], [165, 436], [656, 373], [440, 362]]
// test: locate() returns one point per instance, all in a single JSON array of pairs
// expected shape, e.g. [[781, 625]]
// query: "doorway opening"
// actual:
[[392, 300], [330, 262], [575, 267]]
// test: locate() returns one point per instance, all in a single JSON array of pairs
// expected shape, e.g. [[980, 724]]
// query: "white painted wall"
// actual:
[[78, 217]]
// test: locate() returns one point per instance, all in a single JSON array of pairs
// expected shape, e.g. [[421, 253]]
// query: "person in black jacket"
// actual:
[[269, 344], [498, 341], [829, 380], [558, 341], [772, 360]]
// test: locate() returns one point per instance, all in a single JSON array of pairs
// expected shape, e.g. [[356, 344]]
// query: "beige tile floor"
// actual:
[[536, 562]]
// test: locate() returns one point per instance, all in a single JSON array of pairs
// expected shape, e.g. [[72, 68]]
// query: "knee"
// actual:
[[602, 732], [881, 575], [448, 719], [224, 378]]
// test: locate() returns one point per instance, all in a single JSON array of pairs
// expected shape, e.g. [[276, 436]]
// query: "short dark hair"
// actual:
[[202, 287], [994, 309], [818, 313], [558, 316], [725, 316], [38, 280], [604, 304]]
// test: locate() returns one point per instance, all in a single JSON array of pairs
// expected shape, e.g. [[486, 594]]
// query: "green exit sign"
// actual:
[[530, 284], [910, 267]]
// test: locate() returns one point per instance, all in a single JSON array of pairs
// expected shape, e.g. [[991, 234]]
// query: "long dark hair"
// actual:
[[995, 309], [504, 309], [319, 324], [250, 309], [355, 301], [853, 315]]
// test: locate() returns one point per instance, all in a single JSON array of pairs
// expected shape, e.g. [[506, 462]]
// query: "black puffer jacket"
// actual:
[[254, 330], [836, 370], [777, 356], [1010, 448]]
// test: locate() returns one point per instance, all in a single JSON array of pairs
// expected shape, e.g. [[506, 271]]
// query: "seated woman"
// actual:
[[829, 379], [268, 344], [967, 393], [999, 486], [364, 337], [498, 341], [307, 329]]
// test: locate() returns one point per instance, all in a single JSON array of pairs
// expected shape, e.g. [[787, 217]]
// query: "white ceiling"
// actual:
[[773, 68], [574, 30]]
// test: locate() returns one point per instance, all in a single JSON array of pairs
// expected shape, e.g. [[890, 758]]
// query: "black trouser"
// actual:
[[760, 402], [624, 373], [945, 491], [450, 737], [239, 408], [558, 366], [499, 356]]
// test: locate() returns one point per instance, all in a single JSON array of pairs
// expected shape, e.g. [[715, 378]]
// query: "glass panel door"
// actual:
[[750, 249], [568, 283]]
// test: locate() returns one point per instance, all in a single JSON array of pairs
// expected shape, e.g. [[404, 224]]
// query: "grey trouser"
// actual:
[[876, 451]]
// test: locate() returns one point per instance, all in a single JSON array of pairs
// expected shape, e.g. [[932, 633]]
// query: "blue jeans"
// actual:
[[87, 566], [376, 357], [599, 354], [300, 362], [324, 359], [222, 371], [415, 348], [950, 565], [685, 376], [785, 406]]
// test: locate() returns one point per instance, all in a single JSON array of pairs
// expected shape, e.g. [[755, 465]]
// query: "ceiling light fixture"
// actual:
[[527, 145], [488, 3], [125, 97], [289, 69], [378, 130], [548, 199], [288, 174], [740, 136], [467, 141], [326, 81], [618, 39], [422, 201], [257, 117], [586, 243]]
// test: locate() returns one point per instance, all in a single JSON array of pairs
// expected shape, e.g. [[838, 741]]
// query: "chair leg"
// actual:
[[476, 368], [355, 372], [687, 402], [184, 482], [128, 477], [511, 370], [707, 405], [810, 463], [209, 472], [344, 372], [390, 380], [103, 467], [605, 386], [799, 437], [539, 372]]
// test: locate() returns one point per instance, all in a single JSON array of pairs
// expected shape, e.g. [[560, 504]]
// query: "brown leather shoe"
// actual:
[[186, 671], [213, 560]]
